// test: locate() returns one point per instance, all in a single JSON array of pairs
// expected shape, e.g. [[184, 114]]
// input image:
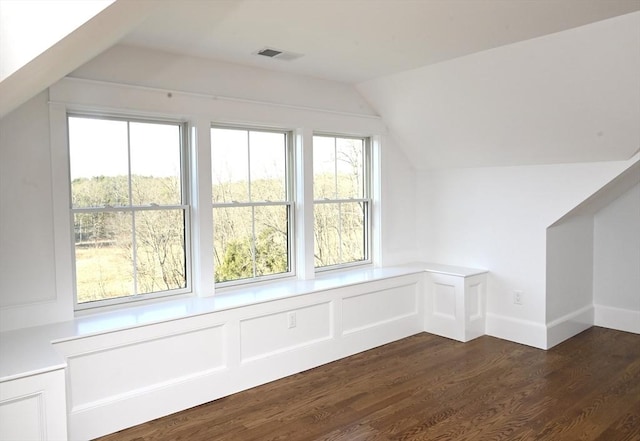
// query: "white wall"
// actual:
[[497, 218], [616, 263], [569, 272], [25, 199], [164, 70], [28, 293], [400, 222]]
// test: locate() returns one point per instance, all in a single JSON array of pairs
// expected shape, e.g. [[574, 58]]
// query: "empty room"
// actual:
[[320, 220]]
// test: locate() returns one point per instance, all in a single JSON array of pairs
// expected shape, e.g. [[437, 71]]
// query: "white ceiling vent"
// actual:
[[277, 53]]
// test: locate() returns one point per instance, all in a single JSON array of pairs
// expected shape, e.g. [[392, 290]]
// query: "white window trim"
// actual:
[[371, 173], [200, 111], [185, 206], [290, 203]]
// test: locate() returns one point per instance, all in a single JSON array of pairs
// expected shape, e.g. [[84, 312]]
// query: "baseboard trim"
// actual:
[[617, 318], [569, 325], [525, 332]]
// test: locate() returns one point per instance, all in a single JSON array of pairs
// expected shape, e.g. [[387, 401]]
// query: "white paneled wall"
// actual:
[[119, 379]]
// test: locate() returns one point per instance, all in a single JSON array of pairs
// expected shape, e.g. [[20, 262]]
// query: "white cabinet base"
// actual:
[[455, 302], [34, 408]]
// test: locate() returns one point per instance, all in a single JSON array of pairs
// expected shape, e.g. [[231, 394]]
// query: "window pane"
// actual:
[[340, 229], [103, 251], [272, 232], [155, 164], [268, 160], [233, 243], [115, 163], [339, 233], [349, 164], [229, 165], [353, 232], [160, 250], [250, 167], [324, 167], [326, 219], [98, 161]]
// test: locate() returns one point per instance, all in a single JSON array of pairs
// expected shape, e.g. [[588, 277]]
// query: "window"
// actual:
[[252, 204], [341, 200], [129, 210]]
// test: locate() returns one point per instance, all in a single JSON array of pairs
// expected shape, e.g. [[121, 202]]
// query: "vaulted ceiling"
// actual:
[[357, 40], [380, 46]]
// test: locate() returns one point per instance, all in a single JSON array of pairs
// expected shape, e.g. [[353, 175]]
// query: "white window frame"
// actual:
[[185, 206], [290, 203], [367, 200]]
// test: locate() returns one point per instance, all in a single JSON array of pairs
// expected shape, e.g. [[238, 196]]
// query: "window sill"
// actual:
[[228, 298], [29, 351]]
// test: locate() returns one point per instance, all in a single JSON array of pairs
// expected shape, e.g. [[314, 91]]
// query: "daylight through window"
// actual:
[[341, 168], [252, 203], [128, 207]]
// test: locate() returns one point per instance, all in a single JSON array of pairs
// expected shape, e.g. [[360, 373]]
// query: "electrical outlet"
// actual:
[[517, 297], [291, 319]]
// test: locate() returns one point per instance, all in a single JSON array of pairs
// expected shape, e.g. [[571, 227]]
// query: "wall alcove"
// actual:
[[593, 262]]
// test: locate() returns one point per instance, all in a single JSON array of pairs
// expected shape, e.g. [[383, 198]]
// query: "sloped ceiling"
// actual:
[[358, 40], [460, 82], [567, 97], [67, 48], [606, 195]]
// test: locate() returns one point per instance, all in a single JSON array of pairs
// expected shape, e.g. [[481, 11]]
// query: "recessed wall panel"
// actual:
[[22, 419], [474, 311], [444, 300], [127, 369], [370, 309], [274, 333]]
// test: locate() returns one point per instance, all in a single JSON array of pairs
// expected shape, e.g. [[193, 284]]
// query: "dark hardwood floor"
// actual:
[[430, 388]]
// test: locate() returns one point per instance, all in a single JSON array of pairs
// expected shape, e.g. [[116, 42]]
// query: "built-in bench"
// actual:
[[107, 368]]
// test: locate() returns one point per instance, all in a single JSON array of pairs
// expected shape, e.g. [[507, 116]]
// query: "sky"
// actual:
[[100, 147]]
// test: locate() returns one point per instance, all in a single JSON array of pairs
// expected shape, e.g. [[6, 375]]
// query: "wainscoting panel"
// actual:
[[120, 379], [24, 417], [121, 370], [444, 300], [284, 331], [378, 307], [33, 408]]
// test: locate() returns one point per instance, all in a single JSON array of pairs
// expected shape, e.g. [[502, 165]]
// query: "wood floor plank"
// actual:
[[430, 388]]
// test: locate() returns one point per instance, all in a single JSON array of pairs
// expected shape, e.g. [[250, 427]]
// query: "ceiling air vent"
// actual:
[[277, 53]]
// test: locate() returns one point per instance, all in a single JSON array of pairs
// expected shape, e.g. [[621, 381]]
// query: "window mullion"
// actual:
[[304, 208], [202, 221], [254, 250], [340, 241], [134, 245], [249, 166], [335, 168]]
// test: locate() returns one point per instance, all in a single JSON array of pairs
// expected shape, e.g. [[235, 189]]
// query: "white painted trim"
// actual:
[[617, 318], [224, 98], [202, 214], [375, 225], [569, 325], [48, 391], [303, 216], [525, 332], [99, 96]]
